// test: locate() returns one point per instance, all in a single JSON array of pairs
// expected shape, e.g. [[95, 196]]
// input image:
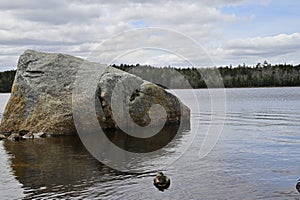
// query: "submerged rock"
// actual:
[[41, 97]]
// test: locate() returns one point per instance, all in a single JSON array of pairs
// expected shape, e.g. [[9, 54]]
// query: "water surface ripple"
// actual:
[[257, 157]]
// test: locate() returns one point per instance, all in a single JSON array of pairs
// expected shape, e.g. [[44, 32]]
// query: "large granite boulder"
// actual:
[[41, 97]]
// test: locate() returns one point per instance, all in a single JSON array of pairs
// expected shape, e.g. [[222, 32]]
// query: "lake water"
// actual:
[[256, 157]]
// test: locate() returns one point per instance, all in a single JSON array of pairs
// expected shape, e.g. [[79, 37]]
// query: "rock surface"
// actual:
[[41, 97]]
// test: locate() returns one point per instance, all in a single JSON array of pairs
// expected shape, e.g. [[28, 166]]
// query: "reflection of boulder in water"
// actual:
[[146, 145], [62, 165], [55, 165]]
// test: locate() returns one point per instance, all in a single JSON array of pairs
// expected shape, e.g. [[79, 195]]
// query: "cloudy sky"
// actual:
[[230, 31]]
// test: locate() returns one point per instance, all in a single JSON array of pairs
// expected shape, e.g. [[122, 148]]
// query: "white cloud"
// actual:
[[76, 27], [252, 50]]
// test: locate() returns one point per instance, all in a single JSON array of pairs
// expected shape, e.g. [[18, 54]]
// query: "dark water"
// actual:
[[256, 157]]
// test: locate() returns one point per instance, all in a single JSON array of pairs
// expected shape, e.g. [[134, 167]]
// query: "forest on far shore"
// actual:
[[261, 75]]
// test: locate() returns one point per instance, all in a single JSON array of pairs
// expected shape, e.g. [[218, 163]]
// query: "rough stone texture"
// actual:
[[140, 101], [41, 97]]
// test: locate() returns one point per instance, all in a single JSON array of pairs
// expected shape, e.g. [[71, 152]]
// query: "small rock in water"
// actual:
[[28, 136], [2, 137], [34, 135], [39, 135], [15, 137]]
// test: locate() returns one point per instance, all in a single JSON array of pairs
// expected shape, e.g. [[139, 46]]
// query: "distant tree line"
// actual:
[[260, 75]]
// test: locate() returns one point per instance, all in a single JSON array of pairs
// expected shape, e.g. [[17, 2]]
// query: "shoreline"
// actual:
[[216, 88]]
